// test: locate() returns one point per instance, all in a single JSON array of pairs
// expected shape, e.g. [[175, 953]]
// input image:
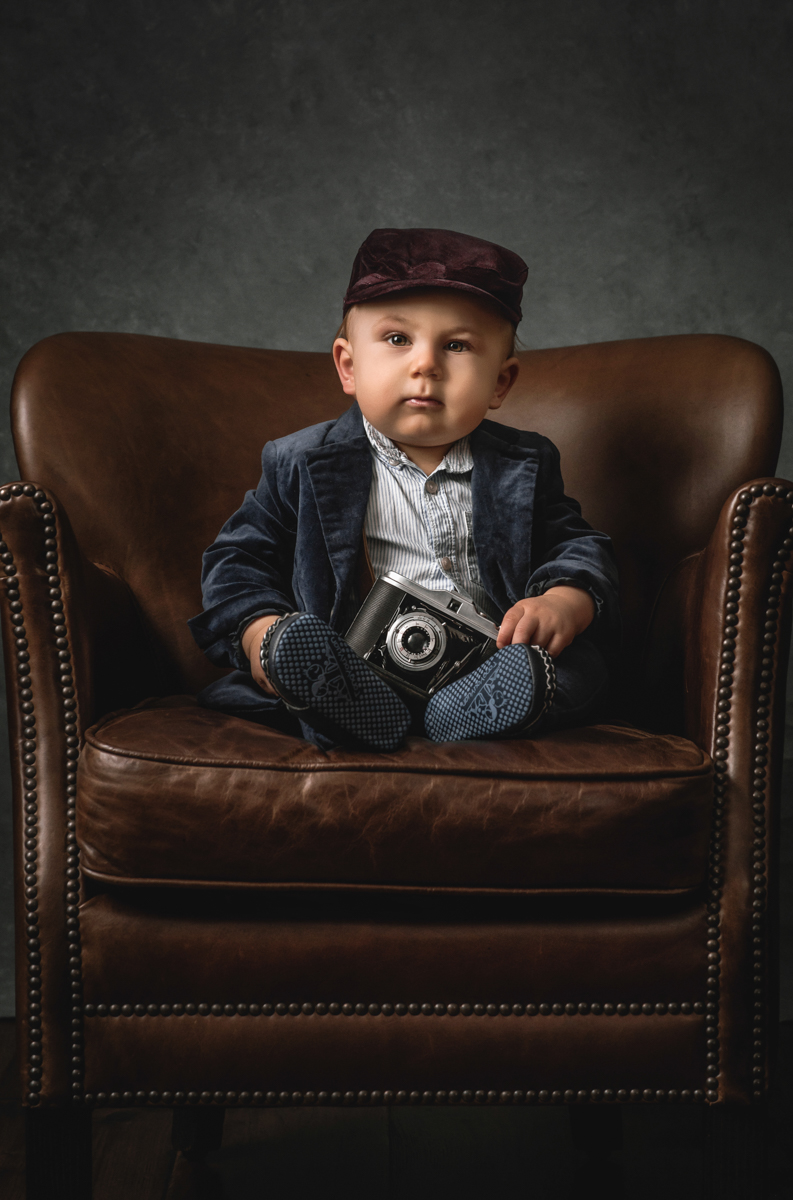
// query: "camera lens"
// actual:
[[416, 641]]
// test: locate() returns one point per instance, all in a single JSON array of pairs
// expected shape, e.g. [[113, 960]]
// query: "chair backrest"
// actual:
[[149, 444]]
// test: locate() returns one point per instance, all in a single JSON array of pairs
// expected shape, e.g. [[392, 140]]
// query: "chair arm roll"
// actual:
[[738, 628], [51, 637], [737, 644]]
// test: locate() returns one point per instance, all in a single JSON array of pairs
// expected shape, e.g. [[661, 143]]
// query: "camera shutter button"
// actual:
[[431, 486], [447, 565]]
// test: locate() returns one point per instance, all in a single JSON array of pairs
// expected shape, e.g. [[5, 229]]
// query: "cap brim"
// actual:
[[389, 286]]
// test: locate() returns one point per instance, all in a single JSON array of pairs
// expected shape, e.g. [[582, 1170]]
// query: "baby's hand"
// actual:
[[551, 620], [251, 643]]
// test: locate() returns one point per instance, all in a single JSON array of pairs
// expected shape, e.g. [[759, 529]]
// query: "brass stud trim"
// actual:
[[306, 1008], [353, 1099], [35, 1056], [758, 862]]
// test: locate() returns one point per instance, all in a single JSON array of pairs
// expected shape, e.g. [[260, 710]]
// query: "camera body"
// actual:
[[417, 639]]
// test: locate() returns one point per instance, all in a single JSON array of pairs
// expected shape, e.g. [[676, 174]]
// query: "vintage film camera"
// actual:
[[417, 639]]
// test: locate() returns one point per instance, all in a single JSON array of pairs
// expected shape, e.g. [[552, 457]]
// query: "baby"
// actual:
[[414, 479]]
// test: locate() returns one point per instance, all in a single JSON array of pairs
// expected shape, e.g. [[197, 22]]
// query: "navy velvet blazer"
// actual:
[[294, 544]]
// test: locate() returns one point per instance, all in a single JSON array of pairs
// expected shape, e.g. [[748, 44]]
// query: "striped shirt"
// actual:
[[421, 525]]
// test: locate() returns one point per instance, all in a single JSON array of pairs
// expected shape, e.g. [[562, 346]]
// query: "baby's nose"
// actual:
[[426, 364]]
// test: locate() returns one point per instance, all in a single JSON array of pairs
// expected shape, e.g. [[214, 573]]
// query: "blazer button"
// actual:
[[431, 486]]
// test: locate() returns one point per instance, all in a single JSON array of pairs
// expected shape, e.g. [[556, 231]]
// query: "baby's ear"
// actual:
[[342, 358], [506, 377]]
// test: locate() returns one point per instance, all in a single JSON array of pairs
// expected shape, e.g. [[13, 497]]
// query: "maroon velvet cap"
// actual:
[[395, 260]]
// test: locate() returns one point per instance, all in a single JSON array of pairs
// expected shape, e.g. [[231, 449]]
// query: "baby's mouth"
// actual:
[[426, 402]]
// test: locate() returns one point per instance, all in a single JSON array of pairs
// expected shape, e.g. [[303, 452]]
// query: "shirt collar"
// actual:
[[457, 460]]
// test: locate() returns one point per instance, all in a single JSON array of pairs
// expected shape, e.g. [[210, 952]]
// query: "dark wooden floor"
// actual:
[[397, 1154]]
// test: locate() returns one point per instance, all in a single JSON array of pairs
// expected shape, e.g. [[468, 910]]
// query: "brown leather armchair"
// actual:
[[211, 913]]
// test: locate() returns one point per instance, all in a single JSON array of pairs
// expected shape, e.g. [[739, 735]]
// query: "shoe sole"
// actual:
[[496, 700], [319, 675]]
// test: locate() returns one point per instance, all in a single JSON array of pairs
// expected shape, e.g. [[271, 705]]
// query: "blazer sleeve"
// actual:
[[247, 571], [569, 551]]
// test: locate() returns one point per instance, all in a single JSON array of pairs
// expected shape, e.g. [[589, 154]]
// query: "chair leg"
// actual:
[[58, 1154], [735, 1152], [597, 1129], [194, 1133], [596, 1132], [197, 1131]]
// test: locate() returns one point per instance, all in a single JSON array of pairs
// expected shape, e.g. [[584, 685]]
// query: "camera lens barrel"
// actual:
[[416, 641]]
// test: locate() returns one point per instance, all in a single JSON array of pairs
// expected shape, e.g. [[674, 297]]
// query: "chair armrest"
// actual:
[[738, 630], [736, 654], [55, 607]]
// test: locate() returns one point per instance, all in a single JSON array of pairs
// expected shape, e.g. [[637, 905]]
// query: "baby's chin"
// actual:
[[423, 433], [420, 426], [422, 416]]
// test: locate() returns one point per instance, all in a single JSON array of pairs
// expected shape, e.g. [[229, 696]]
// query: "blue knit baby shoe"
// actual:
[[506, 696], [325, 682]]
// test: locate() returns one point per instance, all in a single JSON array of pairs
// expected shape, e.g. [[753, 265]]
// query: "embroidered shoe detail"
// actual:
[[494, 701], [323, 678], [488, 696], [329, 679]]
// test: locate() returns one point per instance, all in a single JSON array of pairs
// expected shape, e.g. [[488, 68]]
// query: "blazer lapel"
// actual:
[[340, 472], [503, 486]]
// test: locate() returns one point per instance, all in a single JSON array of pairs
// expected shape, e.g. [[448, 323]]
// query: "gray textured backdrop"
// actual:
[[207, 168]]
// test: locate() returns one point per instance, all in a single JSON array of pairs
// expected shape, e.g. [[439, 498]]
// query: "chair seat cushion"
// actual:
[[171, 793]]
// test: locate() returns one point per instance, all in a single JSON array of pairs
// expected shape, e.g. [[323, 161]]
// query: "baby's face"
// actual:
[[426, 366]]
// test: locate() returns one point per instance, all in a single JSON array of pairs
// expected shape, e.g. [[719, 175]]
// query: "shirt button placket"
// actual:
[[431, 488], [447, 533]]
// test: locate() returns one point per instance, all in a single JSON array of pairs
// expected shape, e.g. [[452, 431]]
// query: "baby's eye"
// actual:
[[397, 339], [456, 347]]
